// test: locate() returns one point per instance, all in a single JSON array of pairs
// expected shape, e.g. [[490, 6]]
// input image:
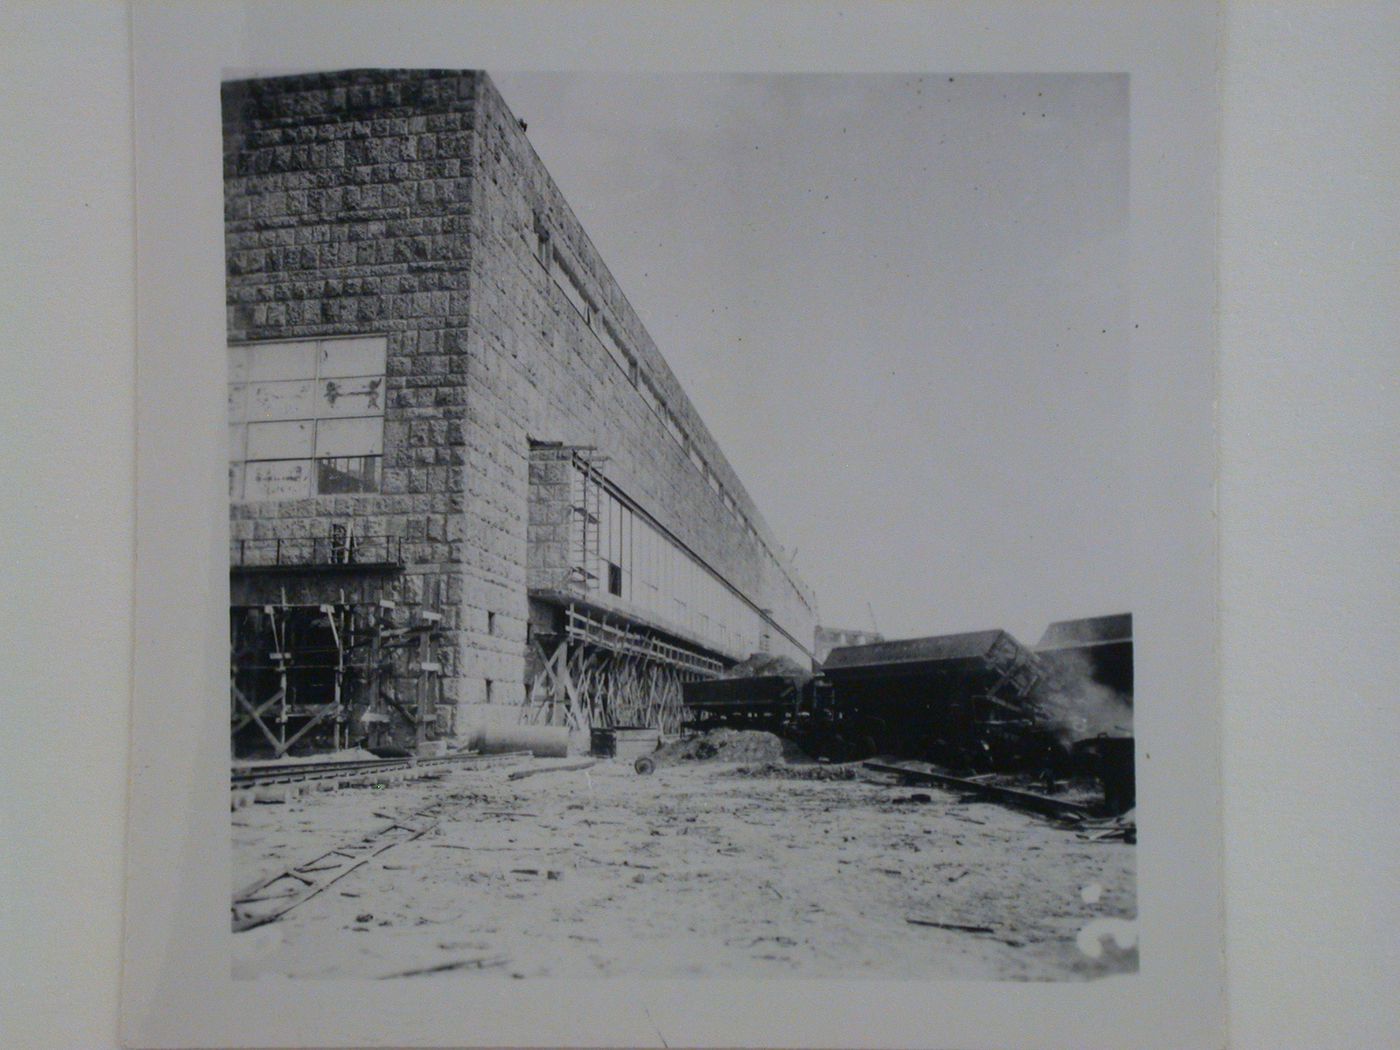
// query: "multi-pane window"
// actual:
[[306, 418], [619, 552]]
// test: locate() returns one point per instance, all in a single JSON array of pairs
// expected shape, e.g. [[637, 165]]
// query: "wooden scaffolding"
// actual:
[[596, 673]]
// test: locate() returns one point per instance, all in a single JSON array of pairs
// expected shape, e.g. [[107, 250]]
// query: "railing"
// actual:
[[583, 627], [317, 552]]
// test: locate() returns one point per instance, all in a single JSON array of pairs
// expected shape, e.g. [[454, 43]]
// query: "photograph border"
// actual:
[[177, 990]]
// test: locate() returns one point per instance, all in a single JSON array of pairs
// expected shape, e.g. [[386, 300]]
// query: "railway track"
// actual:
[[347, 773], [269, 898]]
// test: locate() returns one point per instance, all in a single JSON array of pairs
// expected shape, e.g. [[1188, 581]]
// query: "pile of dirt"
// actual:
[[760, 665], [733, 745]]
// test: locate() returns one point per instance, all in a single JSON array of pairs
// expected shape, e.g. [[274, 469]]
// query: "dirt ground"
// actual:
[[769, 866]]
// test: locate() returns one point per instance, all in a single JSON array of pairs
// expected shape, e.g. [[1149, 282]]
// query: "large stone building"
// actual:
[[464, 484]]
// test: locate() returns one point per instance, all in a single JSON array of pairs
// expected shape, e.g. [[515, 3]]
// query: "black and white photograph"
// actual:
[[526, 677], [679, 537], [763, 524]]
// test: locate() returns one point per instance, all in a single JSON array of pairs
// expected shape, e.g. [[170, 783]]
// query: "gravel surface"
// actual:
[[704, 869]]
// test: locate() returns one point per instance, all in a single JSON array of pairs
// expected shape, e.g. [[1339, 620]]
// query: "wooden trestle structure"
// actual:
[[597, 673], [324, 677]]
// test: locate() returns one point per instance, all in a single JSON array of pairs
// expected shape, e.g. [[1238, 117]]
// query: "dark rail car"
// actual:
[[967, 700], [799, 707], [972, 702], [964, 699], [761, 702]]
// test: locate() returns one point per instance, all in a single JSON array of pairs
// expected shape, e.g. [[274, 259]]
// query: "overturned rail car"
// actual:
[[966, 700], [975, 702]]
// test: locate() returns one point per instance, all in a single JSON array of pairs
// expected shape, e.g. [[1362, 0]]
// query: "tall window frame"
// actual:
[[306, 418]]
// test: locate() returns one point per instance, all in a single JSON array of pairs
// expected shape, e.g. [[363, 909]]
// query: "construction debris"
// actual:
[[732, 745], [1043, 804], [1122, 828], [799, 771], [727, 860], [961, 927], [565, 767], [268, 899], [481, 963]]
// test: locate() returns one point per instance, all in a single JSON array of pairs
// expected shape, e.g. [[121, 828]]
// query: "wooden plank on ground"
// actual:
[[1054, 807]]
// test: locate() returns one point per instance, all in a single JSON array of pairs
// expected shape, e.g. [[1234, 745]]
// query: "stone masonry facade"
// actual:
[[410, 205]]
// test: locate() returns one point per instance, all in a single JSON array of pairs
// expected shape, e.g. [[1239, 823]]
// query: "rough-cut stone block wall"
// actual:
[[347, 212], [406, 204], [541, 366]]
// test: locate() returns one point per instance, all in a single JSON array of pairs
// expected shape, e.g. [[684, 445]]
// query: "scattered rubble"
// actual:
[[560, 767], [1121, 828], [1053, 806], [732, 745], [707, 869], [760, 665], [801, 771], [961, 927]]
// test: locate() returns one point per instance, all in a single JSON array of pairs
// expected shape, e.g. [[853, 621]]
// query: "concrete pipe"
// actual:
[[541, 741]]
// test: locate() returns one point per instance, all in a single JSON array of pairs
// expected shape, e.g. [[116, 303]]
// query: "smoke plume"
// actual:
[[1077, 707]]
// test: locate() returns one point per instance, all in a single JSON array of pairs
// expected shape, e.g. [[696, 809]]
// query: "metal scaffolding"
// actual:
[[325, 677]]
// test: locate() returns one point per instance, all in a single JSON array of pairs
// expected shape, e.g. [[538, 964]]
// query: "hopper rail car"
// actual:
[[968, 702]]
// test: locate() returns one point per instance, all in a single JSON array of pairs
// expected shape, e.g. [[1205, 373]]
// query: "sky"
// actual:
[[900, 304]]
